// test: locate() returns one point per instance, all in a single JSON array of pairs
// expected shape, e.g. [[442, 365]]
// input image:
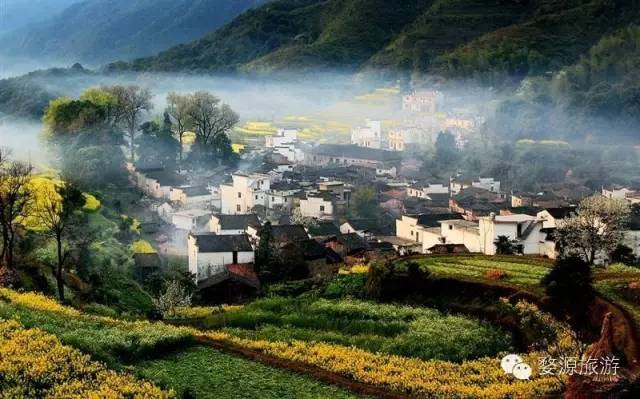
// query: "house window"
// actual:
[[321, 208], [256, 197], [239, 195], [273, 199], [412, 232], [238, 208], [450, 227], [519, 230]]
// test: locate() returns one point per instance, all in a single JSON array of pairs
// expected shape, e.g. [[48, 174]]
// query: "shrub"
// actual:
[[345, 285]]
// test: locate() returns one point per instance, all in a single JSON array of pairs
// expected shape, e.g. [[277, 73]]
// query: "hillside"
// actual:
[[456, 38], [15, 14], [98, 31]]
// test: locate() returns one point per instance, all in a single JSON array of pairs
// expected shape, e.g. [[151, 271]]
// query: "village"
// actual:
[[327, 204]]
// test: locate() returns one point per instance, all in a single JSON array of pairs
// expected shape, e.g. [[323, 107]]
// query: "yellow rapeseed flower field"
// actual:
[[34, 364]]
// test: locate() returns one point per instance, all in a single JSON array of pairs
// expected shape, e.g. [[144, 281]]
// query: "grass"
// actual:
[[206, 373], [393, 329], [524, 273]]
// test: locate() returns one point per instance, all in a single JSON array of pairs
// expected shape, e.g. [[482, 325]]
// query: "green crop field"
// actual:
[[395, 329], [525, 272], [206, 373]]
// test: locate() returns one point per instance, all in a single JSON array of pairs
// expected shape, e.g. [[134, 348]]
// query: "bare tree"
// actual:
[[596, 227], [132, 101], [15, 198], [55, 211], [178, 109], [210, 118]]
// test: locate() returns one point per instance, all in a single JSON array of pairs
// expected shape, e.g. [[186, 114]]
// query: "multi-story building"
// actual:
[[369, 136], [245, 192]]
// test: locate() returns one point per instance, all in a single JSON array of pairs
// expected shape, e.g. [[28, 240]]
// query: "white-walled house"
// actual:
[[369, 136], [282, 136], [424, 101], [478, 237], [210, 253], [552, 218], [232, 224], [487, 183], [423, 190], [244, 193], [319, 205], [192, 196], [523, 228], [191, 219], [630, 195]]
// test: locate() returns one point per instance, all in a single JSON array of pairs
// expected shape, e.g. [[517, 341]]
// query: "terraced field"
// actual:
[[393, 329], [519, 272]]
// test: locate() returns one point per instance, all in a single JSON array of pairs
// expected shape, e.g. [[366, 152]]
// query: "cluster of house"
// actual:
[[305, 192]]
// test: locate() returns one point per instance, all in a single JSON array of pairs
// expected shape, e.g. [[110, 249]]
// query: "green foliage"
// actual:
[[570, 286], [208, 374], [395, 329], [346, 285], [364, 203]]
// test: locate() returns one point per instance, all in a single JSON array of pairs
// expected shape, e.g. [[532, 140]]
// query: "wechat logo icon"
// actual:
[[514, 365]]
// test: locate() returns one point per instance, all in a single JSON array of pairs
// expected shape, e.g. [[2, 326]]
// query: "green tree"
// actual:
[[569, 284], [16, 198], [56, 211], [597, 227], [178, 110], [446, 150], [364, 203]]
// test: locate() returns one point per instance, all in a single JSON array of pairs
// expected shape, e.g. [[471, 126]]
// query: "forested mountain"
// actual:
[[489, 39], [98, 31]]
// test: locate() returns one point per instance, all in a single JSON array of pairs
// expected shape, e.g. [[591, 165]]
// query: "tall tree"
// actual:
[[446, 150], [178, 110], [56, 211], [211, 121], [596, 228], [15, 198], [133, 102]]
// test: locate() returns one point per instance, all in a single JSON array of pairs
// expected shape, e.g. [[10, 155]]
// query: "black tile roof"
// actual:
[[354, 151], [194, 191], [561, 213], [237, 222], [433, 219], [222, 243], [324, 228], [289, 232]]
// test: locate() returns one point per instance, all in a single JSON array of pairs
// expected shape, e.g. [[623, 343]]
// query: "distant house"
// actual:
[[476, 236], [235, 283], [347, 244], [282, 234], [369, 136], [192, 196], [365, 228], [425, 190], [146, 264], [424, 101], [194, 220], [552, 217], [210, 253], [245, 192], [323, 229], [282, 136], [157, 183], [232, 224], [632, 196], [319, 205], [352, 155]]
